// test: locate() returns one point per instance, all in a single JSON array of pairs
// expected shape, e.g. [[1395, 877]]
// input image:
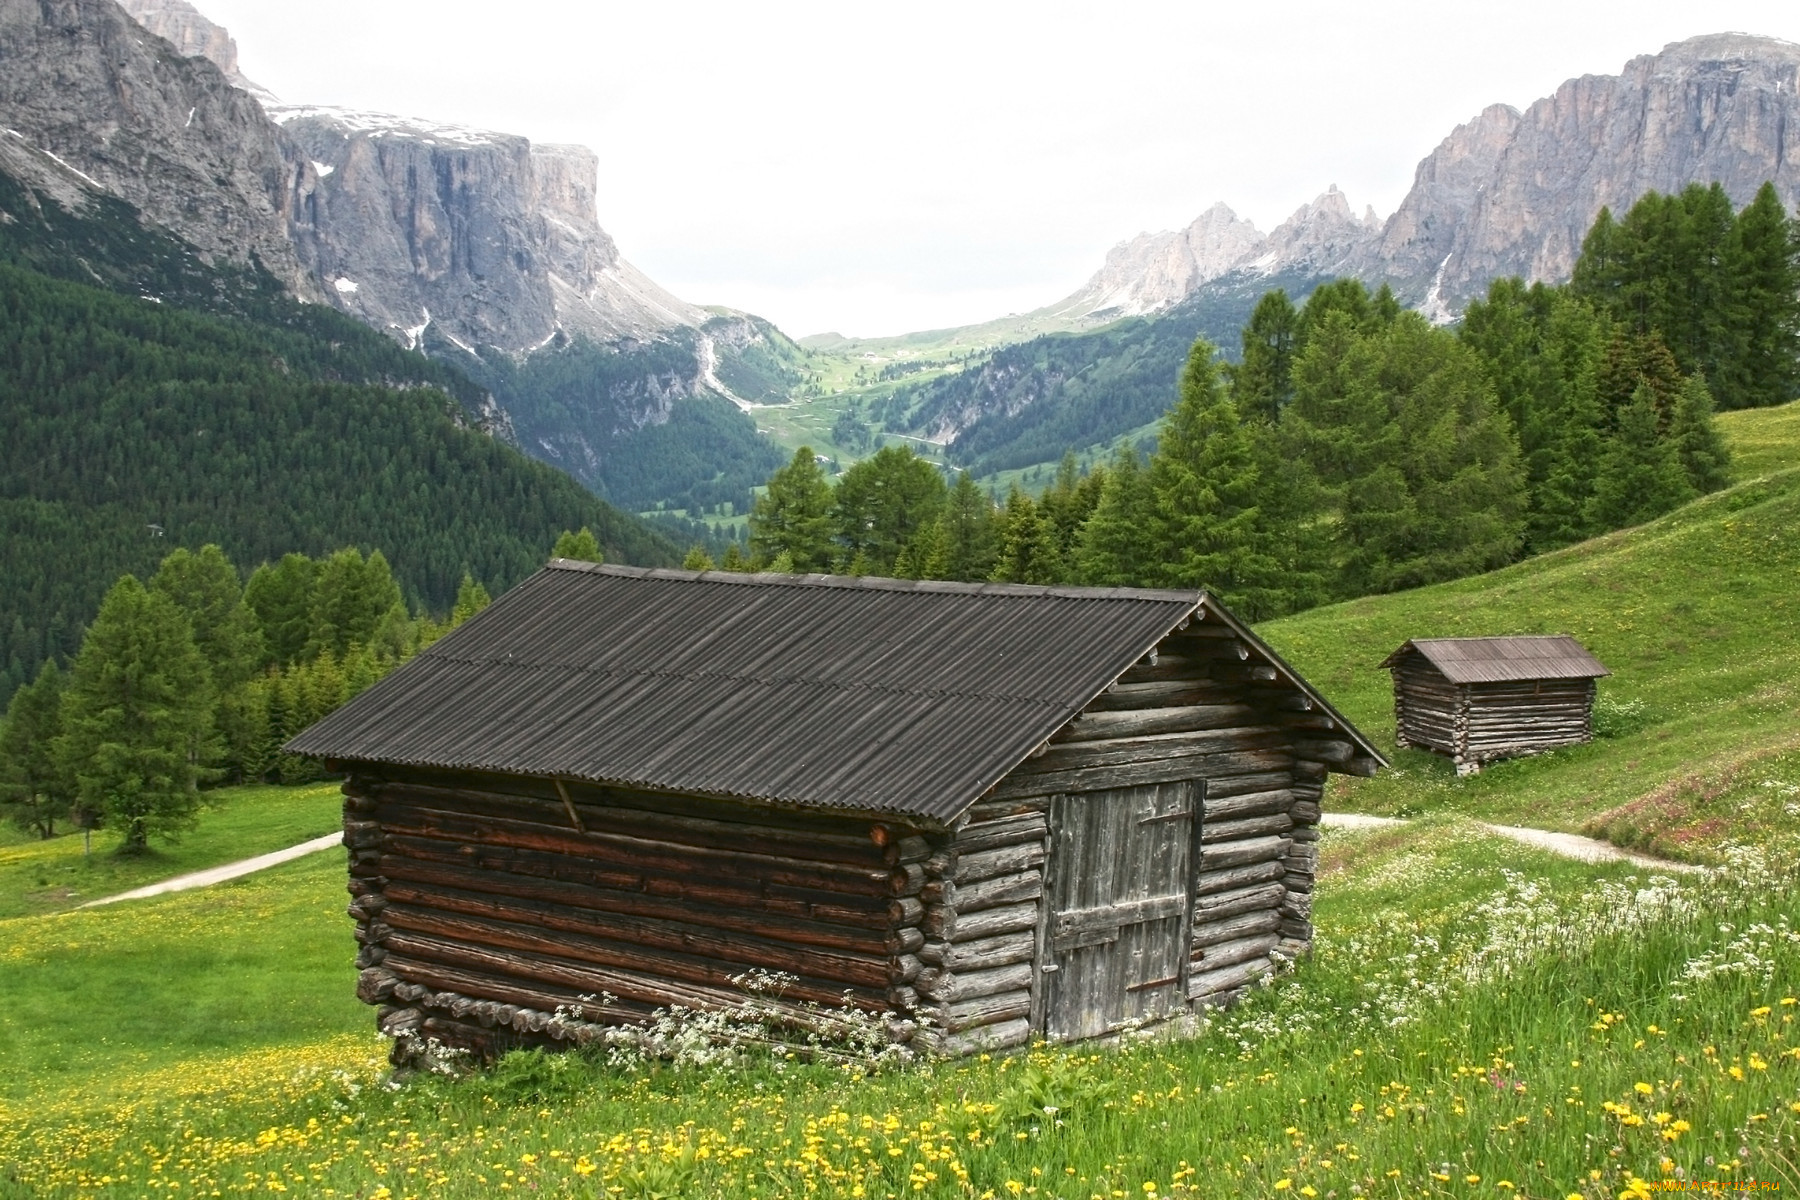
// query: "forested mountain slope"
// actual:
[[133, 424]]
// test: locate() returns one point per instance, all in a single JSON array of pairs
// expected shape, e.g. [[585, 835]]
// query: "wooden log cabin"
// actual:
[[1016, 811], [1481, 699]]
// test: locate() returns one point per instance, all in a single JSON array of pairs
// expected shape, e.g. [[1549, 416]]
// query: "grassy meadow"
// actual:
[[1478, 1018], [238, 822]]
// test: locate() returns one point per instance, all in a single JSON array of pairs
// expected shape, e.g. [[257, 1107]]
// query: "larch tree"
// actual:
[[281, 597], [1698, 443], [966, 544], [138, 702], [882, 503], [578, 546], [1766, 266], [1262, 384], [791, 520]]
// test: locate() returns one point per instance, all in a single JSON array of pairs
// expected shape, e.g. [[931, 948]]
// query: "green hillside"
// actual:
[[1697, 614]]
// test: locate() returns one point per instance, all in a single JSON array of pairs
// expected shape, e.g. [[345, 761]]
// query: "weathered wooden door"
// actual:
[[1120, 900]]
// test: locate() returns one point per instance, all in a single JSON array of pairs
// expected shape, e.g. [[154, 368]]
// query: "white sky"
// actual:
[[879, 168]]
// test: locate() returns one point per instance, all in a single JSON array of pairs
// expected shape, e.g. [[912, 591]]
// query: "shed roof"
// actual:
[[1504, 659], [870, 695]]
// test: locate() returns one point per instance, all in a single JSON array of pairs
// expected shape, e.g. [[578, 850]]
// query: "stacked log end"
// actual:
[[981, 922]]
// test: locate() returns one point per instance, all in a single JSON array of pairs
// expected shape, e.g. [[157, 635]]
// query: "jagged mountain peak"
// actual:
[[1513, 192]]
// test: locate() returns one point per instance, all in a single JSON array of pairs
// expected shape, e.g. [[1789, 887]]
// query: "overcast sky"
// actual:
[[879, 168]]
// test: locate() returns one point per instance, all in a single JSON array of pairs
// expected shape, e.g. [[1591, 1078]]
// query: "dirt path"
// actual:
[[1569, 845], [212, 875]]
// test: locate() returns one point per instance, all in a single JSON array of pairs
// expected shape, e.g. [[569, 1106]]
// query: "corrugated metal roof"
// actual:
[[1504, 659], [871, 695]]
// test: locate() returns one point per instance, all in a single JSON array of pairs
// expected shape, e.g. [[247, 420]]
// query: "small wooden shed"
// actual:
[[1017, 810], [1481, 699]]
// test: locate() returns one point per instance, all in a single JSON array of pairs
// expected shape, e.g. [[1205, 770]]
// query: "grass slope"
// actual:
[[1695, 613], [241, 822]]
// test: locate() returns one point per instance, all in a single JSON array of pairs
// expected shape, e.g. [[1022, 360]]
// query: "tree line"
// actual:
[[197, 676], [1356, 448]]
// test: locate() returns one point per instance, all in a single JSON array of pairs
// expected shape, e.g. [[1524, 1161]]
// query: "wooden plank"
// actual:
[[960, 1015], [1220, 905], [981, 953], [1006, 831], [995, 893], [947, 986], [1147, 744], [1229, 929], [1230, 831], [1233, 878], [1238, 950], [1175, 770], [1221, 855], [1205, 984], [1142, 722], [1124, 912], [1162, 694], [1001, 1035]]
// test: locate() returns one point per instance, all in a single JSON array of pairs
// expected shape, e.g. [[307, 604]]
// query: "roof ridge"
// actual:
[[879, 583]]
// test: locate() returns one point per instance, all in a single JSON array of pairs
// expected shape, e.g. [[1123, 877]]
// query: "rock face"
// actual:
[[169, 135], [488, 239], [1723, 108], [1513, 193], [193, 36]]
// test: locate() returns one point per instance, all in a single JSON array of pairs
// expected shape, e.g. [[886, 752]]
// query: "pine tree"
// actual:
[[793, 517], [1205, 483], [578, 547], [967, 543], [35, 792], [1641, 475], [136, 707], [1113, 550], [1028, 548], [1697, 440], [1263, 383]]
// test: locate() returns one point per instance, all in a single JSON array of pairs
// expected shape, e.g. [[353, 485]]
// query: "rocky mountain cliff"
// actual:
[[1507, 193], [168, 134], [492, 241]]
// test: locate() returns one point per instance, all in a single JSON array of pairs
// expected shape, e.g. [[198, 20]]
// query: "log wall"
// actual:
[[500, 910], [1205, 707]]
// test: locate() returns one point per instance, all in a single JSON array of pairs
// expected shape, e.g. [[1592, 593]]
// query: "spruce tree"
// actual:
[[1113, 550], [1262, 383], [137, 705], [352, 597], [1028, 547], [1641, 475], [697, 559], [1205, 481], [35, 792], [793, 516], [967, 543], [1765, 263], [1697, 440], [582, 546]]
